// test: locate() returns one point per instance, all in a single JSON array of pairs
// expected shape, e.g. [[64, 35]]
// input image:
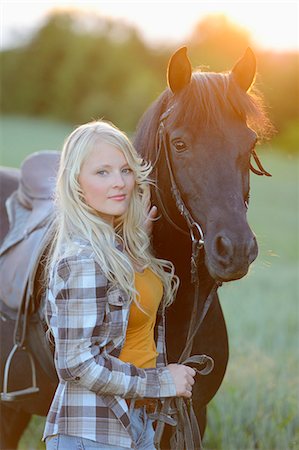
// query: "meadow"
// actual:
[[256, 406]]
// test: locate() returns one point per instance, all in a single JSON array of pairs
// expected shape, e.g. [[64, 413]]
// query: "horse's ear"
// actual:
[[179, 70], [245, 69]]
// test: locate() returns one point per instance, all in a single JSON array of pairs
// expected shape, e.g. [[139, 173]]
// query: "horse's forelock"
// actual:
[[209, 94], [202, 102]]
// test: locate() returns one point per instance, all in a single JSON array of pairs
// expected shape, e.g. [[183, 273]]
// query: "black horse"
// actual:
[[200, 136], [207, 125]]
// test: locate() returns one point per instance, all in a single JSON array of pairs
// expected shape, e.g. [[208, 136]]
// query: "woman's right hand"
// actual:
[[183, 377]]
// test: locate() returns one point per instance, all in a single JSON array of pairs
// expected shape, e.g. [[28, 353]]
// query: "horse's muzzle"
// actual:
[[230, 259]]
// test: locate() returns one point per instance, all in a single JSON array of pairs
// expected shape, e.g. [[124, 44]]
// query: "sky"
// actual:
[[272, 25]]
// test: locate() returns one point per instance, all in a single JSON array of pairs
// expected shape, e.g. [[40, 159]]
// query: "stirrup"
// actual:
[[21, 394]]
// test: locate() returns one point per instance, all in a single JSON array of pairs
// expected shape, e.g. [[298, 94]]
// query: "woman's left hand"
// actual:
[[149, 221]]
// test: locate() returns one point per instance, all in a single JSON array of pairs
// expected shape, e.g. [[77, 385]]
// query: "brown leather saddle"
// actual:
[[30, 211]]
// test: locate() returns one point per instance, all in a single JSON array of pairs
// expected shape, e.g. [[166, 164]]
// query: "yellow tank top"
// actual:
[[139, 347]]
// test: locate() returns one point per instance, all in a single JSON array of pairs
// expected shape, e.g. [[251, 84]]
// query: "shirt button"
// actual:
[[77, 378]]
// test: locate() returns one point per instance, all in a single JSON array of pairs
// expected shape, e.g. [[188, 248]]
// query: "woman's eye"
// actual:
[[101, 172], [127, 170], [179, 145]]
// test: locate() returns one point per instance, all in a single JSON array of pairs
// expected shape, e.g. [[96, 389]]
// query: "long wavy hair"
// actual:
[[74, 218]]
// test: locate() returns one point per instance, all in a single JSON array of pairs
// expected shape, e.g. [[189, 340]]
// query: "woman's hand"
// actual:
[[149, 221], [183, 377]]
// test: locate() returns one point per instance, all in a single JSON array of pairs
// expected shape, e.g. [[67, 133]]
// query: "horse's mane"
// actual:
[[202, 102], [145, 136]]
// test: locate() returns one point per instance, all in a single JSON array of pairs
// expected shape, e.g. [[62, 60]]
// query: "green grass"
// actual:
[[256, 406], [21, 136]]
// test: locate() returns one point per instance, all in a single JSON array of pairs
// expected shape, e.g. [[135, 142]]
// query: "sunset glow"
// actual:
[[271, 24]]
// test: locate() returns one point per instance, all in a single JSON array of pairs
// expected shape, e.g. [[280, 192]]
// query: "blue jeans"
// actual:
[[142, 429]]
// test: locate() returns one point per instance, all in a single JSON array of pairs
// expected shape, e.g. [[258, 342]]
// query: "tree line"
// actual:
[[77, 68]]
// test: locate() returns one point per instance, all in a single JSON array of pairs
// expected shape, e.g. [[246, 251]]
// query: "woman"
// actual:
[[106, 298]]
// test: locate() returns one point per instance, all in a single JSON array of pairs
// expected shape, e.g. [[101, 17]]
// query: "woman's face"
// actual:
[[107, 181]]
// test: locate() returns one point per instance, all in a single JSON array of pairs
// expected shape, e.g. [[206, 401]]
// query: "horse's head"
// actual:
[[207, 126]]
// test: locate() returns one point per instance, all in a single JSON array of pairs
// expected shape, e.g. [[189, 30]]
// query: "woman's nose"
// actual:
[[118, 180]]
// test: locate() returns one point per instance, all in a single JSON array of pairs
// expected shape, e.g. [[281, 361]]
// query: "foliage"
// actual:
[[82, 67], [218, 41], [288, 138], [75, 74], [278, 80]]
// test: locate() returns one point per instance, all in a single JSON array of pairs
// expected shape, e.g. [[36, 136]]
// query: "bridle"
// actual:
[[162, 143], [187, 433], [187, 429]]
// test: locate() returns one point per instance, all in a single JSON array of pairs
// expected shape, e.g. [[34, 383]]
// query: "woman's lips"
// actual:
[[118, 197]]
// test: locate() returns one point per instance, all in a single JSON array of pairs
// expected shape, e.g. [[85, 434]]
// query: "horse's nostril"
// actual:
[[227, 252], [223, 247]]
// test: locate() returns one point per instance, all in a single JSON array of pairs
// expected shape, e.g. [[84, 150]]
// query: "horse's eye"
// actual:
[[179, 145]]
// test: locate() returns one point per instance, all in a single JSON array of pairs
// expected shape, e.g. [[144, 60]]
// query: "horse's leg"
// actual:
[[13, 424]]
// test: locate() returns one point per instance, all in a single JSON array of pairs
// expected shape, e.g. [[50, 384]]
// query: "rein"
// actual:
[[187, 433]]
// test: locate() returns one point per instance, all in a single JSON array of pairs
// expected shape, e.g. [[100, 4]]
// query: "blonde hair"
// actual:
[[75, 218]]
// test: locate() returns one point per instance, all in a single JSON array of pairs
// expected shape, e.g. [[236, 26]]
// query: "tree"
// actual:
[[217, 41]]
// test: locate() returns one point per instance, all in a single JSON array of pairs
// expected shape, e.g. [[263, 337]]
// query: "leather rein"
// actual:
[[187, 434]]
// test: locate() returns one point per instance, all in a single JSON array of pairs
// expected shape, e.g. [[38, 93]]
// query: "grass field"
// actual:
[[257, 404], [21, 136]]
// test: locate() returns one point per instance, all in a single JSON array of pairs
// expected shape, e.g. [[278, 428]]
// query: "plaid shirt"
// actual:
[[89, 326]]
